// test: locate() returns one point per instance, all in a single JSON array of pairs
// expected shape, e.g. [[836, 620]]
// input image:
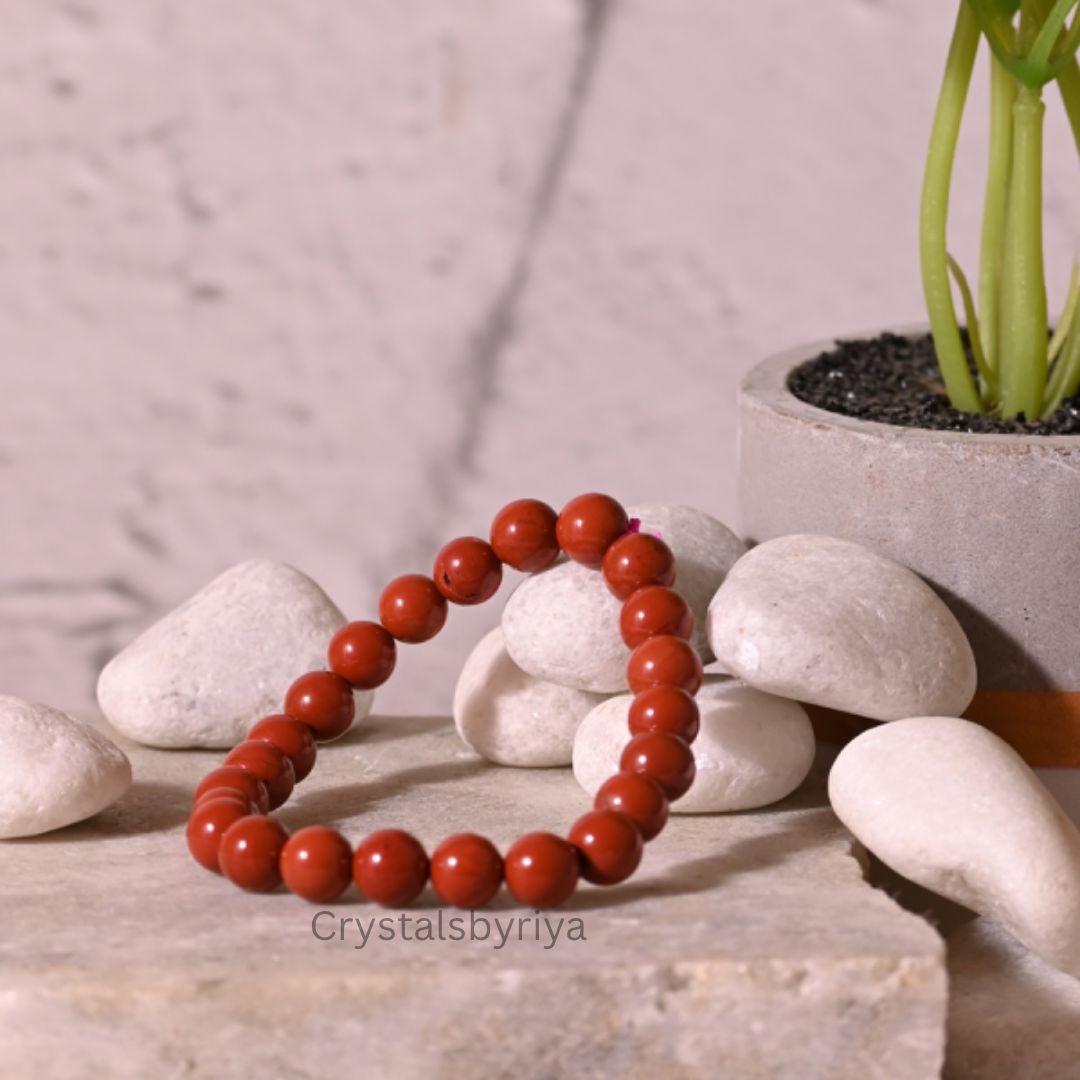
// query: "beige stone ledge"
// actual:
[[747, 944]]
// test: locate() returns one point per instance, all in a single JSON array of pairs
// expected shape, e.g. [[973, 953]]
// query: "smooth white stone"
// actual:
[[562, 625], [223, 659], [54, 769], [952, 807], [832, 623], [511, 717], [753, 749]]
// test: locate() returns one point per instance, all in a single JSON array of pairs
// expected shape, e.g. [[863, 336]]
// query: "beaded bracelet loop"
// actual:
[[230, 830]]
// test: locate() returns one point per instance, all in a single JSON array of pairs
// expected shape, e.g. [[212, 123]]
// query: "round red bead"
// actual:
[[665, 708], [323, 701], [316, 863], [290, 736], [466, 870], [251, 851], [542, 869], [364, 654], [664, 661], [467, 571], [208, 821], [588, 526], [635, 560], [390, 867], [662, 757], [270, 764], [641, 799], [610, 846], [412, 609], [655, 610], [523, 535], [227, 793], [237, 779]]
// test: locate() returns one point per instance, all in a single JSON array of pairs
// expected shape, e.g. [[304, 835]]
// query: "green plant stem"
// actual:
[[1023, 358], [1068, 313], [1066, 49], [1068, 81], [1038, 56], [989, 18], [1046, 47], [1067, 72], [986, 375], [1002, 96], [934, 214], [1066, 378]]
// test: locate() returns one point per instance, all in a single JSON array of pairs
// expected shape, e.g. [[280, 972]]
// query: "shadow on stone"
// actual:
[[1004, 662], [379, 728], [149, 806], [945, 916], [704, 874], [337, 804]]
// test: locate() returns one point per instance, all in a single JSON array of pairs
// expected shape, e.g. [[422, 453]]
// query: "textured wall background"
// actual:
[[328, 280]]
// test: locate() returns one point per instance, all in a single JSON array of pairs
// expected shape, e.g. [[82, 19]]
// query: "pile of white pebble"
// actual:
[[797, 620]]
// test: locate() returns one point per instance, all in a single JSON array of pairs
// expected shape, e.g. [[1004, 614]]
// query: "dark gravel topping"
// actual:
[[895, 380]]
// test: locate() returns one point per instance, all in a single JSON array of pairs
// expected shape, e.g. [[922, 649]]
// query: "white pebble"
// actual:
[[753, 749], [223, 659], [512, 718], [562, 625], [54, 769], [952, 807], [832, 623]]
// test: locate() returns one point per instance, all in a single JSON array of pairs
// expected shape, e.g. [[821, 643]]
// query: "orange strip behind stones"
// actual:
[[1043, 726]]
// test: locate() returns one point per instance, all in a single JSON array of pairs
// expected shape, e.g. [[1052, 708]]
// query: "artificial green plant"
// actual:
[[1020, 370]]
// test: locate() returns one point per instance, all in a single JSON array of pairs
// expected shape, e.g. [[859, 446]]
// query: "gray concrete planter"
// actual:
[[992, 521]]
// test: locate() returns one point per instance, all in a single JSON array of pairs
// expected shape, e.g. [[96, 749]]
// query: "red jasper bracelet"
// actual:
[[231, 833]]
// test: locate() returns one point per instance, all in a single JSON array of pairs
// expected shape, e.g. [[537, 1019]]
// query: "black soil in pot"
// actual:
[[895, 380]]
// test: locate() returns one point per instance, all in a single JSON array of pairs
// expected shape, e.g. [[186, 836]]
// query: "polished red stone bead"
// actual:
[[270, 764], [665, 708], [662, 757], [641, 799], [316, 863], [323, 701], [588, 525], [635, 560], [208, 821], [523, 535], [238, 779], [227, 793], [664, 661], [412, 609], [467, 571], [466, 870], [390, 867], [610, 846], [251, 852], [290, 736], [364, 654], [655, 610], [541, 869]]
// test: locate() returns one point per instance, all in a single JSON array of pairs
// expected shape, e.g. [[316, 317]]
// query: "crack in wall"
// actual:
[[497, 326], [480, 363], [96, 616]]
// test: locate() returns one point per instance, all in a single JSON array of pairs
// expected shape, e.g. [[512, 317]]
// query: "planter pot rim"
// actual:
[[766, 384]]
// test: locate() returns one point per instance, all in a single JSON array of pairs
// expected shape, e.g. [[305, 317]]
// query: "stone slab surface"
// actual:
[[1010, 1014], [747, 945]]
